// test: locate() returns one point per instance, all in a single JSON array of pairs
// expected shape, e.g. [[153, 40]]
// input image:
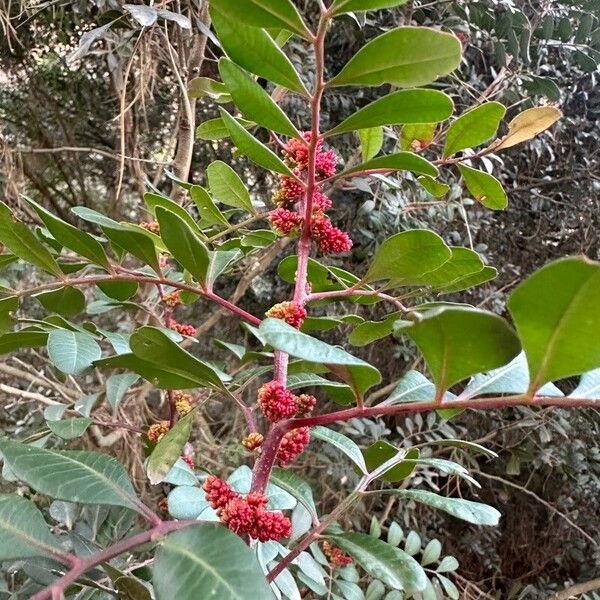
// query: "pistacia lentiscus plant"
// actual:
[[261, 533]]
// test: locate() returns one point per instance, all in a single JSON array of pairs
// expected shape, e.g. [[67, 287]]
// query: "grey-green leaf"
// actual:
[[72, 351], [208, 561], [227, 187], [75, 476], [69, 429], [342, 443], [23, 531]]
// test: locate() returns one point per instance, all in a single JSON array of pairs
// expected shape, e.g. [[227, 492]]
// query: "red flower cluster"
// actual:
[[287, 218], [151, 226], [173, 299], [292, 445], [246, 516], [290, 312], [183, 329], [336, 557], [276, 401]]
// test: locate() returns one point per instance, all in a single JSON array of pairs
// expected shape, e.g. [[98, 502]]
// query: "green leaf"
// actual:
[[169, 448], [215, 129], [403, 106], [119, 290], [458, 342], [416, 136], [133, 239], [278, 14], [183, 243], [154, 346], [75, 476], [66, 301], [7, 306], [371, 141], [227, 187], [200, 87], [209, 213], [25, 338], [474, 127], [408, 255], [379, 452], [354, 371], [22, 242], [485, 188], [253, 101], [252, 148], [472, 512], [72, 351], [155, 200], [555, 312], [220, 260], [463, 283], [397, 569], [129, 587], [208, 561], [72, 237], [401, 161], [69, 429], [266, 59], [342, 443], [433, 187], [404, 57], [370, 331], [345, 6], [6, 259], [23, 531]]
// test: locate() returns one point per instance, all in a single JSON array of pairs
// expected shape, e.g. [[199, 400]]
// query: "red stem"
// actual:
[[266, 460], [81, 565]]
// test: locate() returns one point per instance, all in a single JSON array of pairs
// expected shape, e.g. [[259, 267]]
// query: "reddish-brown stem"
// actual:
[[266, 460], [354, 292], [129, 276], [81, 565]]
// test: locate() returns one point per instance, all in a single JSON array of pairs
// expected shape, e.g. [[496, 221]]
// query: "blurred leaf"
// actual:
[[72, 351], [485, 188], [23, 531], [474, 127], [403, 106], [7, 306], [215, 129], [169, 448], [459, 342], [296, 486], [69, 429], [129, 587], [280, 14], [24, 338], [72, 475], [22, 242], [227, 187], [200, 549], [555, 313], [404, 57], [116, 386], [253, 101], [589, 386], [344, 6], [391, 565], [433, 187], [528, 124], [266, 59], [252, 148]]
